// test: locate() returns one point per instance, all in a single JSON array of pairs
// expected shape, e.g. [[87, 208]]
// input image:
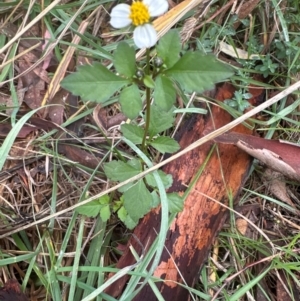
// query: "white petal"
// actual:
[[119, 16], [145, 36], [157, 7]]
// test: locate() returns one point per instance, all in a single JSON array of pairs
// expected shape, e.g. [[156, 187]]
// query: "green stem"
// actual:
[[148, 100], [148, 104]]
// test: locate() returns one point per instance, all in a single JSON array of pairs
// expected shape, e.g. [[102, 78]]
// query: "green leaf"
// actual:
[[160, 120], [167, 179], [93, 82], [164, 93], [131, 102], [155, 199], [165, 144], [124, 59], [119, 171], [135, 163], [169, 48], [104, 200], [137, 200], [133, 133], [197, 72], [90, 209], [175, 202], [148, 81], [125, 187], [105, 213], [117, 205], [126, 219]]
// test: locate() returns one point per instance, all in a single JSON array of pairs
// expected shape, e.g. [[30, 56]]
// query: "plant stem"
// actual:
[[148, 103], [147, 118]]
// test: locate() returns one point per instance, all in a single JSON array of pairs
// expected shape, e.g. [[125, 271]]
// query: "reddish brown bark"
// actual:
[[192, 233]]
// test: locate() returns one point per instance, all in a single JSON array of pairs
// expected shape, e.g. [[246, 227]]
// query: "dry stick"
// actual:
[[194, 145]]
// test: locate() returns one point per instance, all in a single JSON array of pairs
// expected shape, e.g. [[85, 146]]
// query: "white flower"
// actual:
[[139, 14]]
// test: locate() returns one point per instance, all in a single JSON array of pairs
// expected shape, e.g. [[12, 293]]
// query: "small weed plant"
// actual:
[[146, 92]]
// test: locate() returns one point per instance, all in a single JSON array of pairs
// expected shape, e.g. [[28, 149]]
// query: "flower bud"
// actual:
[[139, 74], [158, 62]]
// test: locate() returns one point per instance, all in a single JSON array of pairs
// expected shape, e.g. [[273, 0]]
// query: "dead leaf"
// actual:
[[5, 128], [278, 155], [47, 60], [34, 81], [11, 292], [282, 283], [276, 185], [79, 155], [241, 225], [43, 124], [104, 121], [57, 106]]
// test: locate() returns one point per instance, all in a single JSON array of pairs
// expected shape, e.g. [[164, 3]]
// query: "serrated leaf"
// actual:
[[90, 209], [124, 59], [122, 213], [93, 82], [197, 72], [167, 179], [125, 187], [135, 163], [165, 144], [105, 213], [155, 199], [129, 222], [131, 102], [169, 47], [104, 199], [117, 205], [133, 133], [119, 171], [126, 219], [175, 202], [164, 93], [160, 120], [137, 200]]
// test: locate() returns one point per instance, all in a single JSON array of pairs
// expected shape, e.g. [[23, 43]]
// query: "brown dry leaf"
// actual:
[[241, 225], [104, 121], [4, 99], [31, 86], [11, 292], [57, 106], [43, 124], [79, 155], [278, 155], [251, 212], [36, 123], [276, 185], [24, 132], [284, 282]]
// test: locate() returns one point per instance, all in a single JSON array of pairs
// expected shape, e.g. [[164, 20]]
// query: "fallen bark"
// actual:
[[192, 233]]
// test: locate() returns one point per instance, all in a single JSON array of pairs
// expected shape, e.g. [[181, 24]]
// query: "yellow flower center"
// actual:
[[139, 13]]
